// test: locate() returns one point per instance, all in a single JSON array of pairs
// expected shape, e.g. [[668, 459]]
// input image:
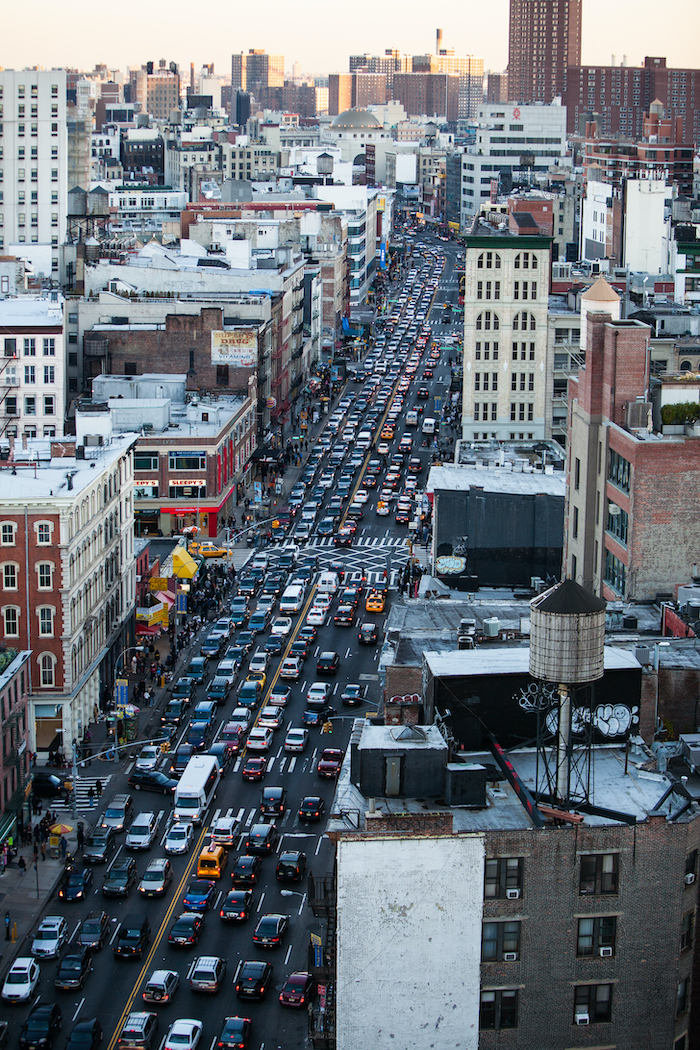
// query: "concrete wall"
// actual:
[[409, 943]]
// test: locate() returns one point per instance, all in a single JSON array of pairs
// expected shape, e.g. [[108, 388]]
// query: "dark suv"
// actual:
[[133, 938], [328, 663], [41, 1027]]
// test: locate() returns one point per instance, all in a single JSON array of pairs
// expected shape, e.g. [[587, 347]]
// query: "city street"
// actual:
[[379, 552]]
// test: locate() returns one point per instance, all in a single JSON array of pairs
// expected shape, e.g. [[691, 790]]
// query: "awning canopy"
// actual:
[[166, 596], [184, 564], [144, 629]]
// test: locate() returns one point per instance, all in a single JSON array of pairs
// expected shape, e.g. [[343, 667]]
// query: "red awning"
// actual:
[[143, 628]]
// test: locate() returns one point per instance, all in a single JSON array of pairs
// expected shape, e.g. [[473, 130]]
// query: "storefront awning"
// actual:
[[144, 629], [184, 564], [166, 596]]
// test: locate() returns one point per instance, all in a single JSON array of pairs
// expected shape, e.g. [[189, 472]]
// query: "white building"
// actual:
[[144, 210], [512, 141], [647, 226], [32, 368], [33, 166]]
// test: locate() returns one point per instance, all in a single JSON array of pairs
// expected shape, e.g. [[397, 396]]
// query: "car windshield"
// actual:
[[71, 964], [75, 879], [177, 835], [81, 1037], [91, 927], [17, 978], [153, 876], [179, 1039], [46, 935]]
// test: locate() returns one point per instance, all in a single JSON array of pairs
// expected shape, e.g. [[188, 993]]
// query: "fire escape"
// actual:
[[322, 891], [9, 384]]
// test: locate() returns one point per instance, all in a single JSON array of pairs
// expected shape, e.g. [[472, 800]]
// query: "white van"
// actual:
[[412, 418], [328, 582], [364, 439], [428, 425], [196, 788], [292, 599]]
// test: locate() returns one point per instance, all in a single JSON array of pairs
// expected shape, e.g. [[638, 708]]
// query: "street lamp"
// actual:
[[295, 893]]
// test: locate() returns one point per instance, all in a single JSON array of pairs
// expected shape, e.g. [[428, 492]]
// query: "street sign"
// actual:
[[437, 401], [122, 685], [182, 603]]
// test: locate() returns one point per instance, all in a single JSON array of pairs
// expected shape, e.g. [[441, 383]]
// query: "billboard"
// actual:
[[237, 347]]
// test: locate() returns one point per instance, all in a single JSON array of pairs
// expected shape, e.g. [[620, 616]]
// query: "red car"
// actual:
[[298, 989], [255, 768], [330, 762]]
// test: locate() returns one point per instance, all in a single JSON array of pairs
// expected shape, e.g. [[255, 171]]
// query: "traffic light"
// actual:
[[327, 727]]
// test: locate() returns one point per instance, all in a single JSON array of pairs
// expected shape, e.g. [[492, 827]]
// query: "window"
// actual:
[[11, 621], [500, 941], [222, 375], [595, 934], [525, 261], [682, 996], [691, 864], [46, 666], [615, 573], [46, 614], [49, 405], [45, 574], [599, 874], [575, 524], [7, 534], [523, 320], [29, 374], [499, 1009], [487, 321], [593, 1001], [187, 461], [577, 474], [49, 347], [145, 460], [687, 931], [10, 348], [619, 471], [43, 534], [618, 523], [49, 373], [503, 877], [30, 406], [9, 577], [489, 261]]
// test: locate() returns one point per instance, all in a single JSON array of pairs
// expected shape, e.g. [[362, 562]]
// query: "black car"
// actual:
[[246, 872], [245, 640], [73, 969], [274, 645], [312, 809], [274, 801], [248, 586], [94, 930], [235, 1033], [270, 930], [152, 780], [225, 753], [199, 735], [423, 393], [184, 689], [120, 878], [344, 617], [299, 648], [133, 938], [252, 979], [291, 866], [328, 663], [368, 634], [186, 929], [236, 906], [180, 759], [86, 1035], [174, 713], [75, 885], [99, 846], [41, 1027]]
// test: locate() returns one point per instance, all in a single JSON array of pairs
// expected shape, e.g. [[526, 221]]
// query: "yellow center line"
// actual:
[[156, 943]]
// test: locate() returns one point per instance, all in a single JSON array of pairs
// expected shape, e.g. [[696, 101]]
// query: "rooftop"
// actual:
[[27, 311], [492, 478], [35, 475]]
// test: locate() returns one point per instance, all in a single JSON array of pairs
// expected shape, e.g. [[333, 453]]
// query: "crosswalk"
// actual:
[[82, 799], [369, 541]]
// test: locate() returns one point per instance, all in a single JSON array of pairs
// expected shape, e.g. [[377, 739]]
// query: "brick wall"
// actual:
[[410, 823]]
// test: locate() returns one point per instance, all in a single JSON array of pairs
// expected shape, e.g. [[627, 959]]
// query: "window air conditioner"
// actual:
[[606, 952], [582, 1019], [116, 625], [690, 878], [510, 956], [512, 895]]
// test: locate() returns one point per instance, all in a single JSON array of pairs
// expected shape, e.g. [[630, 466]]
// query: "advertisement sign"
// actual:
[[158, 583], [257, 485], [238, 348], [182, 603], [382, 256], [122, 685]]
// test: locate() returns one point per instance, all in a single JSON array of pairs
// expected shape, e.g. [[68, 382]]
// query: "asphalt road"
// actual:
[[114, 987]]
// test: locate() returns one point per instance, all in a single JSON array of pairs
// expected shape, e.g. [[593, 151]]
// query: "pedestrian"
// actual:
[[98, 788], [43, 849], [63, 846], [37, 832], [91, 796], [81, 836], [7, 925]]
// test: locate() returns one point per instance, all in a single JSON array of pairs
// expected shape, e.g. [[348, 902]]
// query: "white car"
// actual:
[[282, 626], [260, 738], [291, 668], [183, 1034], [260, 661], [148, 758], [142, 832], [179, 838], [50, 936], [361, 496], [241, 716], [296, 739], [318, 693], [22, 978], [316, 616], [224, 831], [324, 600], [271, 717], [383, 508]]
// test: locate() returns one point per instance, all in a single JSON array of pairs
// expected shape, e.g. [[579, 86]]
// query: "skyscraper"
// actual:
[[256, 70], [544, 39]]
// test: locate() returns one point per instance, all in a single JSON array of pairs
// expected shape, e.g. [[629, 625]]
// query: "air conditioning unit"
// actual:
[[513, 895], [690, 878], [510, 956], [606, 952], [116, 625], [583, 1019]]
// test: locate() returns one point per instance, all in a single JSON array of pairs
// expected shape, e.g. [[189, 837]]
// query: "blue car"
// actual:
[[197, 668], [317, 718], [200, 896]]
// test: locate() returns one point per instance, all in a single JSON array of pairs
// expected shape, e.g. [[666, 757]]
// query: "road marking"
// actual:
[[292, 764], [260, 902], [78, 1009], [289, 952], [73, 933]]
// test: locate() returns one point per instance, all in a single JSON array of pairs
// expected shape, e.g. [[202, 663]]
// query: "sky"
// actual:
[[320, 36]]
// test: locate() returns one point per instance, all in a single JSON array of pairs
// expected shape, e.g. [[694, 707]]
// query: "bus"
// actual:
[[196, 788]]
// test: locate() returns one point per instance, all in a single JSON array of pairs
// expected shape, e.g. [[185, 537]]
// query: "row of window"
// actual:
[[490, 321], [596, 936], [499, 1008], [29, 346], [492, 289], [30, 405], [8, 533], [34, 129], [33, 90], [10, 576], [492, 261], [46, 615]]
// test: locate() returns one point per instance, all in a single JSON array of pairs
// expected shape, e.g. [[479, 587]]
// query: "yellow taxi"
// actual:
[[387, 432], [257, 676], [207, 549], [375, 602]]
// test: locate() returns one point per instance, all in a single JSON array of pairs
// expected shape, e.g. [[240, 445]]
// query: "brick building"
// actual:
[[428, 94], [15, 716], [618, 97], [67, 575], [660, 152], [632, 492], [544, 40]]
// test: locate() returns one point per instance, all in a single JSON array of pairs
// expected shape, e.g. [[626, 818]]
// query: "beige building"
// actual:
[[505, 335]]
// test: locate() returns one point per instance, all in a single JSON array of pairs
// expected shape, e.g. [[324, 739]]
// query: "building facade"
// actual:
[[544, 40], [32, 368], [506, 298]]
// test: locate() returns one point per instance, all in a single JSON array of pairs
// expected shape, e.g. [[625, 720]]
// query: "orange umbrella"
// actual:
[[61, 829]]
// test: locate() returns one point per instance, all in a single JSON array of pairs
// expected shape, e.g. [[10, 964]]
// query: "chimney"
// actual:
[[438, 41]]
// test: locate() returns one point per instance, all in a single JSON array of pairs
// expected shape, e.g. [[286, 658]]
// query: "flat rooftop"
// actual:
[[47, 478], [28, 312], [492, 478]]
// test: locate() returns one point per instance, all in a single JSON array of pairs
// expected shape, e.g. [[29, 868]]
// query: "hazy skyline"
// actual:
[[321, 42]]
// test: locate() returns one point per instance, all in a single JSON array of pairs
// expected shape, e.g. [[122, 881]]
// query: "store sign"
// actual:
[[186, 484], [158, 583], [238, 347]]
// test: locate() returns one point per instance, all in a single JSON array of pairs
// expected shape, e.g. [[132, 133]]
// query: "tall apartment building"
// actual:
[[356, 90], [620, 96], [544, 40], [339, 93], [506, 296], [428, 94], [33, 166], [496, 87], [391, 62], [660, 152], [470, 70], [156, 90], [256, 70]]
